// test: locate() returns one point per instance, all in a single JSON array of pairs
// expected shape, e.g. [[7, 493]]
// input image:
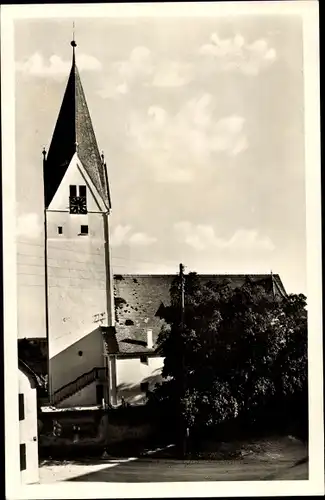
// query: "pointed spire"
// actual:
[[74, 133]]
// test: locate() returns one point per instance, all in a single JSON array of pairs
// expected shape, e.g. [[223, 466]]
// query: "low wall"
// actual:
[[93, 430]]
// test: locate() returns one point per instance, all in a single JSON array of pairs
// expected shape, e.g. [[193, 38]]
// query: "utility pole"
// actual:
[[182, 384], [273, 291], [182, 278]]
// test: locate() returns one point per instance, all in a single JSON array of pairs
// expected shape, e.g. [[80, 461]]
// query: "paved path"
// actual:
[[167, 470], [160, 465]]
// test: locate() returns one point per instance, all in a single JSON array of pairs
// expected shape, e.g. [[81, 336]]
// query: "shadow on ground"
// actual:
[[284, 458], [274, 459], [159, 470]]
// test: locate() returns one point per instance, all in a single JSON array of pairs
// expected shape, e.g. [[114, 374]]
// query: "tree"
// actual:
[[243, 352]]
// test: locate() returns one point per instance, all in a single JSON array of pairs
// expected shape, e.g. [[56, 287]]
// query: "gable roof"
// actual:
[[32, 354], [28, 371], [139, 299], [74, 133]]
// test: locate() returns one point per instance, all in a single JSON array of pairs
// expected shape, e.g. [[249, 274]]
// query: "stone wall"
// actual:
[[74, 431]]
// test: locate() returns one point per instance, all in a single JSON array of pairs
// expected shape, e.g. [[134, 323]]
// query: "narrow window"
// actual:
[[21, 407], [60, 229], [144, 359], [73, 191], [144, 387], [84, 230], [99, 394], [23, 456], [82, 191]]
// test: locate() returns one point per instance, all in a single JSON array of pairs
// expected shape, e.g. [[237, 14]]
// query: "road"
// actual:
[[167, 470], [284, 459]]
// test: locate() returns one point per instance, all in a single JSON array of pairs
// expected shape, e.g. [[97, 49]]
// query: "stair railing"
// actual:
[[79, 383]]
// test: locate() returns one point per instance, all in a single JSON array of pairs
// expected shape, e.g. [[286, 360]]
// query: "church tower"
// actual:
[[79, 300]]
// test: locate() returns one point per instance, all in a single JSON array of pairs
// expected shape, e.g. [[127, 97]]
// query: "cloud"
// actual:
[[143, 67], [123, 88], [176, 146], [203, 237], [172, 74], [141, 239], [235, 54], [29, 226], [55, 67], [138, 65], [121, 236]]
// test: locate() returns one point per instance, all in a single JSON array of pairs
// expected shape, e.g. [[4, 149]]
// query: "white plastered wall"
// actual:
[[79, 280], [131, 373], [28, 429]]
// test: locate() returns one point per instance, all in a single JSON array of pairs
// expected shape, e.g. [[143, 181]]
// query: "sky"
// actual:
[[202, 125]]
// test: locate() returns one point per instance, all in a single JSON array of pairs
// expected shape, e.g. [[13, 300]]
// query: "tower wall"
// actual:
[[78, 283], [77, 264], [78, 279]]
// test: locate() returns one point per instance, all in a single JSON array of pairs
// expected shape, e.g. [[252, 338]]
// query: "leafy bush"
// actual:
[[241, 356]]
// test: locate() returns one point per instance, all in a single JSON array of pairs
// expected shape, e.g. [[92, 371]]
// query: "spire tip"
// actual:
[[73, 42]]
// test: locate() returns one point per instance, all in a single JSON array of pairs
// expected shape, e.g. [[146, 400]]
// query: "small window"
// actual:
[[144, 387], [80, 353], [60, 229], [82, 191], [21, 407], [144, 359], [84, 230], [23, 456], [73, 191], [99, 394]]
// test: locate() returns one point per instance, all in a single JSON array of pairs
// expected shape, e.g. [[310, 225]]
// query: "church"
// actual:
[[101, 328]]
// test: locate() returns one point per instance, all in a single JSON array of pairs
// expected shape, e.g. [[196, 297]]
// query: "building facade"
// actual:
[[77, 261], [28, 433]]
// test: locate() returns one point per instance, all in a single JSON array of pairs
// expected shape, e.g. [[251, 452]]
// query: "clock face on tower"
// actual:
[[78, 205]]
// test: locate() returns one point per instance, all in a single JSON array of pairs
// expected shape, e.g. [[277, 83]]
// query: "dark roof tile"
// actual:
[[141, 298], [74, 133]]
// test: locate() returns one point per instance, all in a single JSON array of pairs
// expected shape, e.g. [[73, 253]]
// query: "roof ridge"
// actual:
[[199, 274]]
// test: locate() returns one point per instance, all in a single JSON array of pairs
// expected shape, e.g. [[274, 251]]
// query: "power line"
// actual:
[[146, 261], [131, 261], [27, 285], [93, 274], [77, 287], [99, 254], [61, 266], [30, 274], [64, 277]]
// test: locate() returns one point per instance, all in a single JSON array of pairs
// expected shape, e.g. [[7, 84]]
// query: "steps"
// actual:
[[97, 373]]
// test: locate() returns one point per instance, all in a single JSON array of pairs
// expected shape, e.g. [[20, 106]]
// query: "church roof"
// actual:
[[74, 133], [140, 298]]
